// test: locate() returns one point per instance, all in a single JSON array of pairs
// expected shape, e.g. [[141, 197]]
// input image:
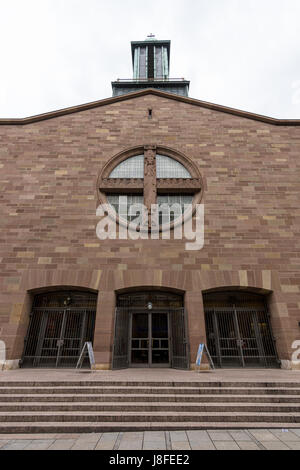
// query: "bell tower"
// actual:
[[151, 59], [151, 65]]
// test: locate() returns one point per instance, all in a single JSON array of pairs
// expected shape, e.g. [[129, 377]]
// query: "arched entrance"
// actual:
[[238, 329], [60, 323], [150, 331]]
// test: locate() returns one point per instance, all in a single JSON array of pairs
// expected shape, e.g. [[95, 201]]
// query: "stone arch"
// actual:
[[238, 327], [149, 188], [61, 319], [239, 288], [157, 314]]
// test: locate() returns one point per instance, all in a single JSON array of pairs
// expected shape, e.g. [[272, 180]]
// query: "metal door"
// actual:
[[149, 339], [121, 339], [240, 337], [179, 340], [56, 335]]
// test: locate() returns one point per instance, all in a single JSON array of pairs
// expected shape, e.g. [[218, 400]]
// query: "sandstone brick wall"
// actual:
[[49, 171]]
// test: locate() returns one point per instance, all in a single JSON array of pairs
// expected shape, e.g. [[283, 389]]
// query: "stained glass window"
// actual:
[[175, 204], [178, 202], [167, 167], [132, 167], [123, 202]]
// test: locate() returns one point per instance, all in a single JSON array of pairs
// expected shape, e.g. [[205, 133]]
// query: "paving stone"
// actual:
[[16, 444], [181, 445], [263, 435], [285, 436], [3, 442], [154, 440], [198, 436], [275, 445], [293, 445], [62, 444], [247, 445], [168, 440], [200, 440], [240, 436], [220, 436], [87, 442], [226, 445], [39, 444], [204, 445], [107, 441], [179, 440], [131, 441], [295, 431], [154, 445]]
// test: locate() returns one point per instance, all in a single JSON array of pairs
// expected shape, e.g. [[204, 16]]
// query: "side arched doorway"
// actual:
[[60, 323], [238, 329], [150, 331]]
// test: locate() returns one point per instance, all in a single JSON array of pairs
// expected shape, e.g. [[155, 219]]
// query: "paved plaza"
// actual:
[[260, 439]]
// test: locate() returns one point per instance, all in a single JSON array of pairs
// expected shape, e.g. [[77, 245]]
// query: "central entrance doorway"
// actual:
[[149, 340], [150, 331]]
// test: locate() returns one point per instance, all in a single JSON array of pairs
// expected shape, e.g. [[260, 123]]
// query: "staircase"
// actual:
[[95, 406]]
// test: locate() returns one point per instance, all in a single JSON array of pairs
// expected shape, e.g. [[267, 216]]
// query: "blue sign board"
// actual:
[[199, 354]]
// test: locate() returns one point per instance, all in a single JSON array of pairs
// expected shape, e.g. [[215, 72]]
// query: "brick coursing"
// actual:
[[251, 176]]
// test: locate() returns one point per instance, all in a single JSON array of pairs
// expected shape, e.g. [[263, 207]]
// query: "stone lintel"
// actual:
[[121, 185]]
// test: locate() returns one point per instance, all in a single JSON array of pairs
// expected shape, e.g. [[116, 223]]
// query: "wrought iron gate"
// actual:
[[179, 342], [240, 337], [56, 333], [121, 339]]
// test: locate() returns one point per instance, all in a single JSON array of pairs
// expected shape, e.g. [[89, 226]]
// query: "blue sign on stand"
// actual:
[[87, 346], [199, 354], [203, 349], [91, 353]]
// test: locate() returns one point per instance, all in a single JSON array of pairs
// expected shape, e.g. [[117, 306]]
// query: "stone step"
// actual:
[[65, 398], [94, 406], [108, 383], [166, 417], [148, 390], [73, 428], [139, 407]]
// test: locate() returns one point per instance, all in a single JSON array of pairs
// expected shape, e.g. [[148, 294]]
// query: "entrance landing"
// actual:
[[151, 375]]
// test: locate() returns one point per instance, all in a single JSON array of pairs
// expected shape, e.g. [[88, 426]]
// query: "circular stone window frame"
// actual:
[[193, 185]]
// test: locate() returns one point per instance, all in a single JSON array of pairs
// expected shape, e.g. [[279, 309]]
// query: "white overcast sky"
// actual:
[[239, 53]]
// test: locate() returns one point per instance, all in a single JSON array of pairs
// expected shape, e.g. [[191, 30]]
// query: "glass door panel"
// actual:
[[160, 339], [149, 340], [140, 339]]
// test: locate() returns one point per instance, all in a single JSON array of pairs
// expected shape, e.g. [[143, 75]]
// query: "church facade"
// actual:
[[150, 302]]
